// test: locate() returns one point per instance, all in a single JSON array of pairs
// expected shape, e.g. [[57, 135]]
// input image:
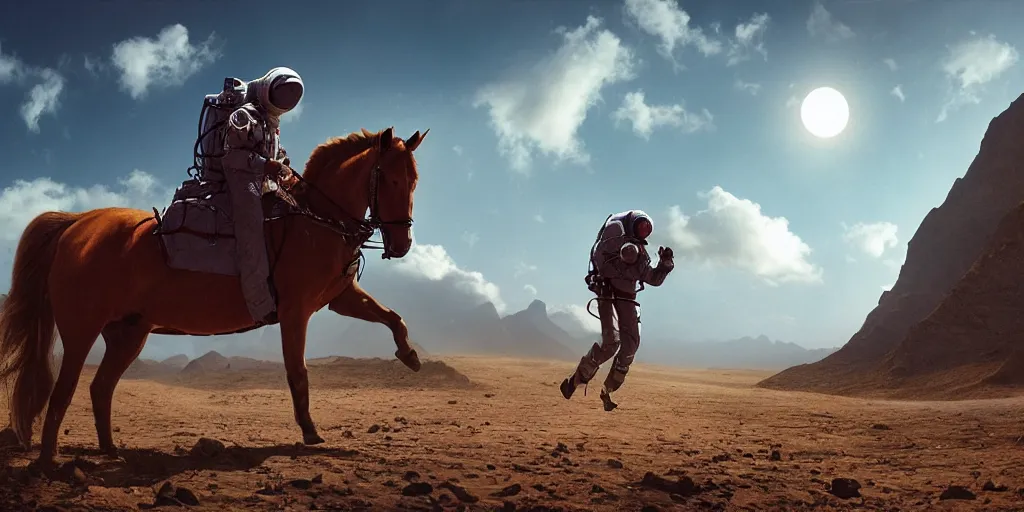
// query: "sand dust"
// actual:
[[508, 441]]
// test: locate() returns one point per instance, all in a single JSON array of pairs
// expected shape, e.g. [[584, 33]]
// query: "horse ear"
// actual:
[[386, 137], [415, 140], [412, 142]]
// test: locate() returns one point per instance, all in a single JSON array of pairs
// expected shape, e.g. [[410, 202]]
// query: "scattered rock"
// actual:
[[845, 488], [347, 434], [596, 489], [989, 485], [417, 489], [452, 402], [748, 455], [511, 490], [318, 479], [491, 467], [684, 486], [373, 429], [775, 455], [880, 426], [460, 492], [207, 447], [561, 447], [957, 492], [186, 497], [411, 476], [614, 464], [721, 458], [301, 483]]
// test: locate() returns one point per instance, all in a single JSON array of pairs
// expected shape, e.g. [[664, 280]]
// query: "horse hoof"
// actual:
[[110, 452], [312, 439], [41, 467], [410, 359]]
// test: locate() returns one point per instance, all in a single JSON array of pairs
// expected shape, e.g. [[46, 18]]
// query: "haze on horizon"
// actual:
[[539, 129]]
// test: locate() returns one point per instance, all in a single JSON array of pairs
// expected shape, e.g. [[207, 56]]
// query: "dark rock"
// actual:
[[207, 447], [614, 464], [417, 489], [301, 483], [511, 490], [845, 488], [989, 485], [460, 492], [684, 486], [957, 492], [775, 455], [880, 426], [186, 497], [373, 429]]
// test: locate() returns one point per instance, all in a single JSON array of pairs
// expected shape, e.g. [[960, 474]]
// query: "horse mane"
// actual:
[[336, 150]]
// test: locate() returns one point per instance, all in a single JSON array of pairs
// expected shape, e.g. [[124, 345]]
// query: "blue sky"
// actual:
[[545, 117]]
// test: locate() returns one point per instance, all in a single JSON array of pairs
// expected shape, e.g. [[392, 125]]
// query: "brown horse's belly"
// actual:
[[110, 264]]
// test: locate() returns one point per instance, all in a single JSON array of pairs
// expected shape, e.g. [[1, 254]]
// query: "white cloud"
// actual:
[[792, 101], [666, 21], [470, 238], [579, 313], [538, 218], [972, 63], [749, 37], [522, 268], [821, 24], [898, 93], [44, 95], [752, 88], [891, 64], [21, 201], [531, 289], [167, 60], [541, 110], [873, 239], [10, 67], [432, 263], [734, 232], [43, 98], [457, 149], [646, 118], [294, 114]]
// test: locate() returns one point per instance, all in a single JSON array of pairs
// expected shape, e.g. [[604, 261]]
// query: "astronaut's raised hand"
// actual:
[[666, 257]]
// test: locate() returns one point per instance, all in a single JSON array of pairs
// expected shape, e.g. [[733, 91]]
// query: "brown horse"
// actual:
[[103, 272]]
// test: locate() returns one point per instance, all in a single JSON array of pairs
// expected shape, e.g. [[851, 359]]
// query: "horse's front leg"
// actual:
[[356, 303], [293, 348]]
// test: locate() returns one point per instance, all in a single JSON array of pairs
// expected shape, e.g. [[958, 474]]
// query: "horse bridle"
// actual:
[[368, 225]]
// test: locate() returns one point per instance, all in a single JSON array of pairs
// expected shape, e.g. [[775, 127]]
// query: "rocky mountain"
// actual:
[[950, 239]]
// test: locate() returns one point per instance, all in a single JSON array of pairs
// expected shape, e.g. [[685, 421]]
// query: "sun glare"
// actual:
[[825, 112]]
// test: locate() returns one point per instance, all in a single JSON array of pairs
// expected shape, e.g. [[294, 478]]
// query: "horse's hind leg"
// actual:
[[124, 339], [293, 350], [77, 343], [356, 303]]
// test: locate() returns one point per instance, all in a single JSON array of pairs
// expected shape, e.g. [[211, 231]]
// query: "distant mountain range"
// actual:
[[533, 332]]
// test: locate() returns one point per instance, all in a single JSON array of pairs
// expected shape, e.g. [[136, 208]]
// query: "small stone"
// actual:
[[993, 487], [318, 479], [417, 489], [614, 464], [845, 488], [207, 447], [452, 402], [186, 496], [301, 483], [511, 490], [461, 493], [880, 426], [957, 492], [373, 429], [775, 455]]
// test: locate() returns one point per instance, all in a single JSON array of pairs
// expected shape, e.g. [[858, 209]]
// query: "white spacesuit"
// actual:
[[240, 141], [619, 260]]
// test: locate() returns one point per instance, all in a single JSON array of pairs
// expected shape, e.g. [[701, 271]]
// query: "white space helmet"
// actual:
[[278, 91]]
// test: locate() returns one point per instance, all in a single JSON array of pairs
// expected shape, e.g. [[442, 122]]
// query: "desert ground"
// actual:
[[505, 439]]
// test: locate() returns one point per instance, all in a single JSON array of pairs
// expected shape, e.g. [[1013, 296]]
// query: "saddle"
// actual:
[[197, 231]]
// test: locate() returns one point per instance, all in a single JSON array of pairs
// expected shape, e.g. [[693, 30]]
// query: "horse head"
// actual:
[[395, 180], [369, 171]]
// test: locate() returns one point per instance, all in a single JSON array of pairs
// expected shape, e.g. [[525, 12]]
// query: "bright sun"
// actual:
[[825, 112]]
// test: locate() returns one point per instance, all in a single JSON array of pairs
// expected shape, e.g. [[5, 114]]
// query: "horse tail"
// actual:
[[27, 329]]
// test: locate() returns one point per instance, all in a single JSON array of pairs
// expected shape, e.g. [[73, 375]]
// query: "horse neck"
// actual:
[[347, 188]]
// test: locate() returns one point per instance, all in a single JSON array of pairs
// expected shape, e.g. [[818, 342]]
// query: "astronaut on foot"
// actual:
[[620, 265]]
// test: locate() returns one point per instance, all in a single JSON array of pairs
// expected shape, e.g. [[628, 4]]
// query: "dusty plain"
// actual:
[[507, 440]]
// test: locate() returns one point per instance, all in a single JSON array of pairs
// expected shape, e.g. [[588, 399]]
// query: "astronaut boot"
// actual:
[[606, 399], [568, 386]]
